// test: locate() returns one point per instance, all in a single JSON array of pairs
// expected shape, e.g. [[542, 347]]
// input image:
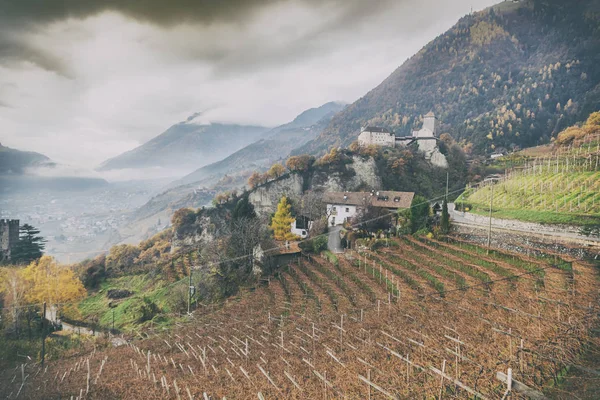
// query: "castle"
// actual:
[[9, 236], [424, 138]]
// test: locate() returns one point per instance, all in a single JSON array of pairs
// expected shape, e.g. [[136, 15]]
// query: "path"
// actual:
[[334, 241], [52, 316], [519, 226]]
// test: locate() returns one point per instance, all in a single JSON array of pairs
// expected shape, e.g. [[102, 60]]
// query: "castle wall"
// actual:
[[9, 236]]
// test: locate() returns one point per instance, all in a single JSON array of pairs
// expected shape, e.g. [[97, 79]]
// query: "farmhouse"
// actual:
[[344, 206]]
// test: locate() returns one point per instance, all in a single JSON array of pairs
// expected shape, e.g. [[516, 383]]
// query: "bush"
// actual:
[[314, 245]]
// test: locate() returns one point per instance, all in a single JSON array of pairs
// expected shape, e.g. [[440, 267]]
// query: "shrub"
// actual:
[[314, 245]]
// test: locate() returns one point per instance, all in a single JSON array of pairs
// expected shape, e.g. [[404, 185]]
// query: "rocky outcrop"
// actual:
[[432, 152], [360, 174], [210, 224], [266, 197]]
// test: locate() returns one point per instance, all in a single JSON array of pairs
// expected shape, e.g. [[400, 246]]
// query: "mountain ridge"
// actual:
[[513, 75], [186, 146]]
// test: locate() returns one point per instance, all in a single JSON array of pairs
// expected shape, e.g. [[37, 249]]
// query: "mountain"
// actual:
[[16, 162], [30, 171], [512, 75], [276, 144], [186, 146]]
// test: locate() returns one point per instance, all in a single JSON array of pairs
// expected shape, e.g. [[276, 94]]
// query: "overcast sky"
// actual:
[[82, 80]]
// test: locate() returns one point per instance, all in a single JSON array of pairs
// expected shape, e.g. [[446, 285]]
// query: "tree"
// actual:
[[183, 219], [373, 219], [243, 208], [312, 206], [121, 257], [419, 212], [282, 221], [51, 283], [276, 171], [29, 247], [445, 223], [13, 286], [300, 163], [254, 180]]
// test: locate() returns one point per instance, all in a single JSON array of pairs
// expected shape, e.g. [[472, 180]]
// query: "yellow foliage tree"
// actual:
[[47, 281], [282, 221], [276, 170]]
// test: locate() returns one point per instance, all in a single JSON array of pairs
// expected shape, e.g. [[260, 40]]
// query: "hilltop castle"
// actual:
[[9, 236], [425, 139]]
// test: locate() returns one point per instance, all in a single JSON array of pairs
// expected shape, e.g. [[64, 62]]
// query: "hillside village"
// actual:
[[398, 247]]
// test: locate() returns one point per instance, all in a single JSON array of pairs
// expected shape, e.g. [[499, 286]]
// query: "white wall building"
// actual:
[[376, 136], [425, 138], [301, 226], [342, 207]]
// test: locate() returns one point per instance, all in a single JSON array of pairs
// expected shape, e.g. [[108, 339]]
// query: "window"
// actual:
[[347, 209], [334, 208]]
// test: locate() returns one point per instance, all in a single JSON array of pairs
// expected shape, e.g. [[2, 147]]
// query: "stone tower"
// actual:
[[9, 236], [429, 122]]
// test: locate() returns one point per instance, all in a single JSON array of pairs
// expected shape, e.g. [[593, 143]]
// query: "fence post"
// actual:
[[44, 334]]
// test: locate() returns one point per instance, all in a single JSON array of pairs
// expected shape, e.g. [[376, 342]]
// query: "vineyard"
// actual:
[[562, 186], [410, 318]]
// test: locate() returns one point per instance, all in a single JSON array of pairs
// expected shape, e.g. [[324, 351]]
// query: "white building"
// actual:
[[425, 138], [344, 206], [376, 136], [301, 226]]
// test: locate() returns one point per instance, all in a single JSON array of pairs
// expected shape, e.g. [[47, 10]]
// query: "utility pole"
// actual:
[[43, 334], [489, 239], [447, 178], [190, 290]]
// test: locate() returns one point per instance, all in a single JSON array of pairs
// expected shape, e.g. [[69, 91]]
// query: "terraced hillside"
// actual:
[[383, 322], [560, 186]]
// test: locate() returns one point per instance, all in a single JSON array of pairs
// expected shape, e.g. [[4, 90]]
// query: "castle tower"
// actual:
[[9, 236], [429, 122]]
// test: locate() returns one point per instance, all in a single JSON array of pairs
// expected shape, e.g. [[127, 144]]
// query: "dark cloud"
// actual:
[[14, 50], [162, 12], [26, 16]]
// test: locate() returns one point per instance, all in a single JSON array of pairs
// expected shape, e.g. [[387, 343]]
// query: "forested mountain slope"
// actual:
[[512, 75]]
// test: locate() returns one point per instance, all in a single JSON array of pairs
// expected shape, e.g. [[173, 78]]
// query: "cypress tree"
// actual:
[[445, 223]]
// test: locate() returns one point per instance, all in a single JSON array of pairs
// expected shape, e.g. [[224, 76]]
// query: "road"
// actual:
[[334, 242], [514, 225]]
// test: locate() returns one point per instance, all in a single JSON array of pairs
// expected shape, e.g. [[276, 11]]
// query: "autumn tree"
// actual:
[[299, 163], [51, 283], [254, 180], [276, 171], [13, 288], [121, 257], [354, 147], [183, 218], [282, 221]]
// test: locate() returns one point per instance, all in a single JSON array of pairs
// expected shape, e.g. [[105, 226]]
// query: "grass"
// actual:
[[99, 307], [548, 197]]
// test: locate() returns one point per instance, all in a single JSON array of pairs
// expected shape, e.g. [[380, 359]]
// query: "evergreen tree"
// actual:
[[419, 213], [445, 223], [29, 247], [243, 208], [282, 221]]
